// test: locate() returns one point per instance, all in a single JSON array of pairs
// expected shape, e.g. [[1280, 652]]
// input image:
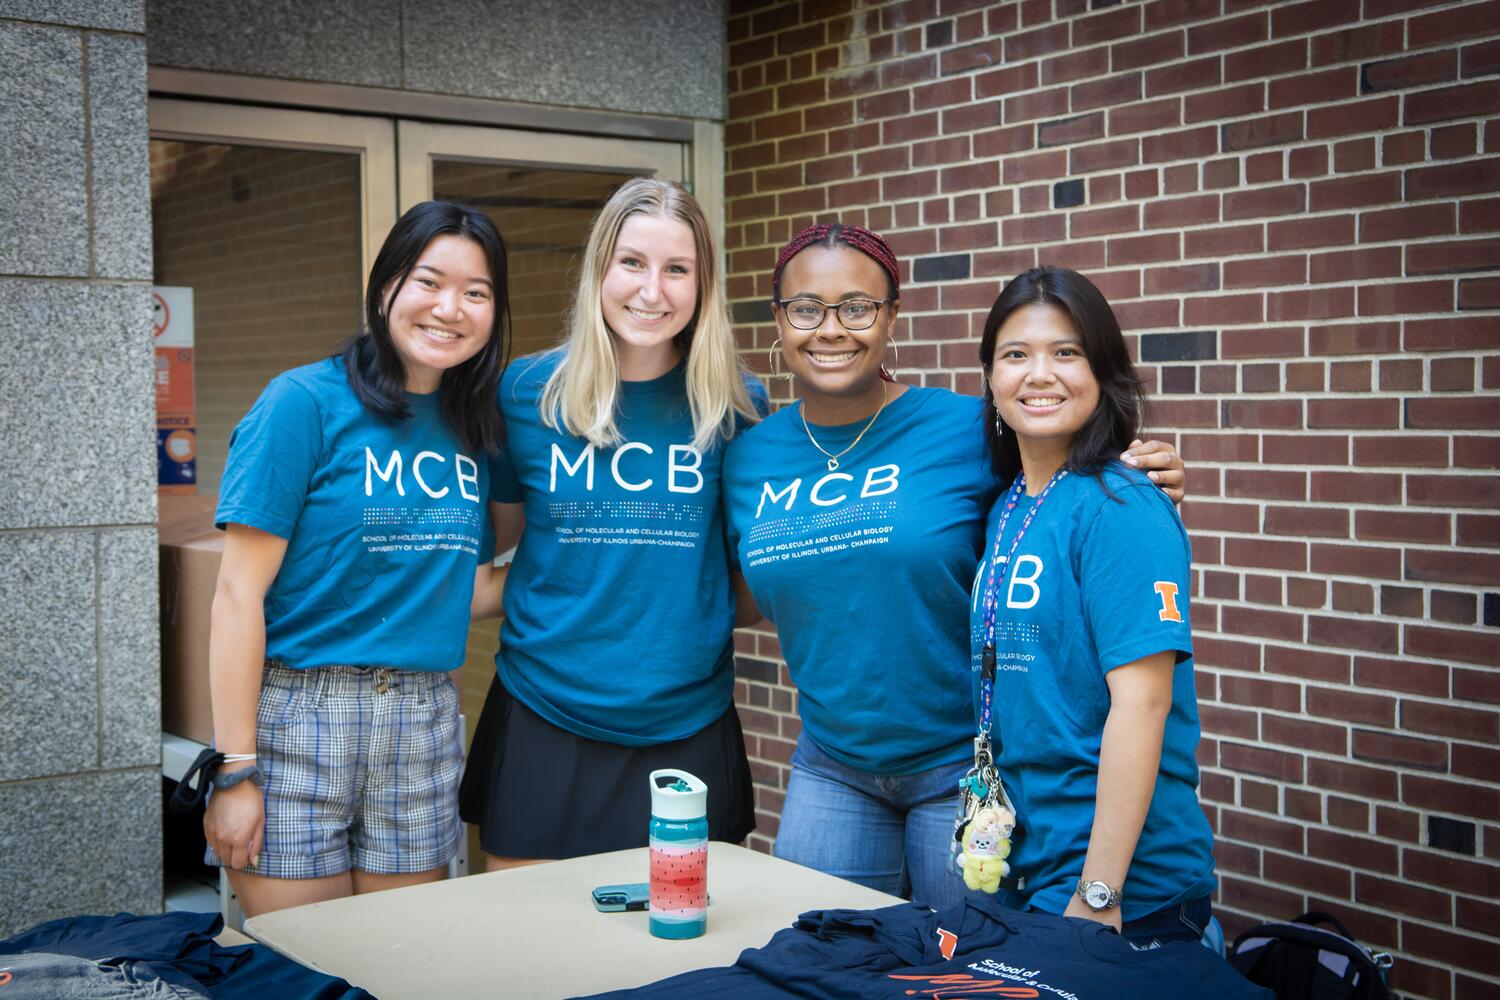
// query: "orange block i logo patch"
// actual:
[[1167, 590]]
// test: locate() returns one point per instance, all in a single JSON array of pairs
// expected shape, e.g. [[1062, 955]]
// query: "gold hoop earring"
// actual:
[[896, 364], [773, 352]]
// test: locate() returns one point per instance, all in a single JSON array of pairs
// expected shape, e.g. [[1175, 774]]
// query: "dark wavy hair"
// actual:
[[1117, 420], [467, 392]]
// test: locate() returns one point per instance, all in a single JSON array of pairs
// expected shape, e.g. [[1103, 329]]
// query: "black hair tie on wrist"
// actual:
[[186, 798]]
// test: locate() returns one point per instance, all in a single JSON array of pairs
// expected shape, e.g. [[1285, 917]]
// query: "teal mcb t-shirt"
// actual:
[[382, 520], [1097, 582], [618, 610], [865, 571]]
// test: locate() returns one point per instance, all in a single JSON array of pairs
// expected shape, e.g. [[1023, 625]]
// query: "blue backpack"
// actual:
[[1301, 961]]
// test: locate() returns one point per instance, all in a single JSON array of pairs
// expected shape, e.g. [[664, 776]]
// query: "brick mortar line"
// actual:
[[1181, 229], [1263, 80], [1399, 916], [1302, 715], [1475, 589], [1161, 132], [1201, 123], [1383, 909], [1073, 241], [1104, 46], [1070, 48], [1302, 107], [1219, 258], [1350, 505], [1357, 797], [1325, 359]]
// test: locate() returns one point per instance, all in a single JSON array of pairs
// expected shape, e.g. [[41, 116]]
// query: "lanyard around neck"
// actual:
[[998, 572]]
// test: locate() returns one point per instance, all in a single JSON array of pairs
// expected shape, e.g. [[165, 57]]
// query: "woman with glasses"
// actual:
[[857, 516]]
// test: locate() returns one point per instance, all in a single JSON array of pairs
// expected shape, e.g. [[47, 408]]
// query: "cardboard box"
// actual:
[[190, 551]]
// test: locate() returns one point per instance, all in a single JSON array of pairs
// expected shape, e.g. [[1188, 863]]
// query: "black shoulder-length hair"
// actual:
[[467, 392], [1117, 420]]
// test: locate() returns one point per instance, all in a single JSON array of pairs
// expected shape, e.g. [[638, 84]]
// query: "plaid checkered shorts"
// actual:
[[361, 770]]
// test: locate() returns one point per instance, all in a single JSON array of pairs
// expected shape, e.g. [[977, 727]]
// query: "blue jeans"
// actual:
[[889, 833], [1183, 922]]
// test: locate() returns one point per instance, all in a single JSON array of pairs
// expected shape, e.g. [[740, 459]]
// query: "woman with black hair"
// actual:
[[1081, 629], [855, 517], [353, 501]]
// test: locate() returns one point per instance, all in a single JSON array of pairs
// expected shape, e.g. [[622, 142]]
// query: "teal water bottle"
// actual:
[[679, 855]]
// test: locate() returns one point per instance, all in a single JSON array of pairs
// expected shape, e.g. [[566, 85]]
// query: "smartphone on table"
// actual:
[[614, 898]]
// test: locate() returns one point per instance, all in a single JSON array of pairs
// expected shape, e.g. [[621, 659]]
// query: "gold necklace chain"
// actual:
[[833, 460]]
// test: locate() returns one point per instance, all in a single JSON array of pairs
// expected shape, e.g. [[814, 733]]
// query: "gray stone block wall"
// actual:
[[331, 41], [87, 849], [658, 57], [651, 56], [112, 15], [80, 744], [43, 201]]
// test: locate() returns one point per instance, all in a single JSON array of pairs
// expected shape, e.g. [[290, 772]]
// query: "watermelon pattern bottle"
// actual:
[[679, 855]]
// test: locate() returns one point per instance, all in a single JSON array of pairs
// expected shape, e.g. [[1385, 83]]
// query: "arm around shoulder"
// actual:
[[1162, 465], [508, 521], [746, 612]]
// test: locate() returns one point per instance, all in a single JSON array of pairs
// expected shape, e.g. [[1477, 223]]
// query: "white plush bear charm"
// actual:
[[986, 846]]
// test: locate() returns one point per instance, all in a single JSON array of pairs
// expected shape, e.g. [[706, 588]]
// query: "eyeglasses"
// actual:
[[807, 313]]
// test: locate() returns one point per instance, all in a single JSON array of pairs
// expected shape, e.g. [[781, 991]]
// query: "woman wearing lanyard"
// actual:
[[353, 502], [856, 517], [616, 655], [1081, 627]]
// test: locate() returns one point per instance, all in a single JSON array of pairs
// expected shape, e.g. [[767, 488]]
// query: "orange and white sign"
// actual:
[[177, 445]]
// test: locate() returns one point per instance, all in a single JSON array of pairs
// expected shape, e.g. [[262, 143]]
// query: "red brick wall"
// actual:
[[1295, 208]]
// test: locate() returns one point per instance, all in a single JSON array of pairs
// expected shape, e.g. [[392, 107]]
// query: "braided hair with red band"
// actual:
[[831, 234]]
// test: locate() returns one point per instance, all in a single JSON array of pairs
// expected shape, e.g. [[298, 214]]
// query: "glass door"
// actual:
[[264, 225]]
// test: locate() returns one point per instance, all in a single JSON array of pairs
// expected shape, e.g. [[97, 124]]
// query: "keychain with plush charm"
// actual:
[[986, 818], [981, 841]]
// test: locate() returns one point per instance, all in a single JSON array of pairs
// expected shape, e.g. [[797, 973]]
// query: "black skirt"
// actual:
[[537, 791]]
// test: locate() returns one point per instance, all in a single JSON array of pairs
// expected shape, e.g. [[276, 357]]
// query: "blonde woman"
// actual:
[[616, 655]]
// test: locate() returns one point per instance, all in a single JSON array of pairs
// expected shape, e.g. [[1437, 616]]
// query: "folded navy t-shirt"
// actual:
[[975, 948]]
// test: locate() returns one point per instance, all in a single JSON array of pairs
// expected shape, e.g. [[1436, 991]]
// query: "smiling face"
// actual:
[[650, 291], [831, 360], [1040, 379], [444, 313]]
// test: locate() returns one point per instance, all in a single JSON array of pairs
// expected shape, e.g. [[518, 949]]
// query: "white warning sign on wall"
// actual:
[[172, 315]]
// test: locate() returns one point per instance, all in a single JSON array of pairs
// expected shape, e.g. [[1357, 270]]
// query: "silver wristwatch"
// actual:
[[1098, 895]]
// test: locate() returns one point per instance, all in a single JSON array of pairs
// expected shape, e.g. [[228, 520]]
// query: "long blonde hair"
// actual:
[[581, 394]]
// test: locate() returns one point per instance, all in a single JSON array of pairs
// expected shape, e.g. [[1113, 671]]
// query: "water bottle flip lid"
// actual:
[[678, 795]]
